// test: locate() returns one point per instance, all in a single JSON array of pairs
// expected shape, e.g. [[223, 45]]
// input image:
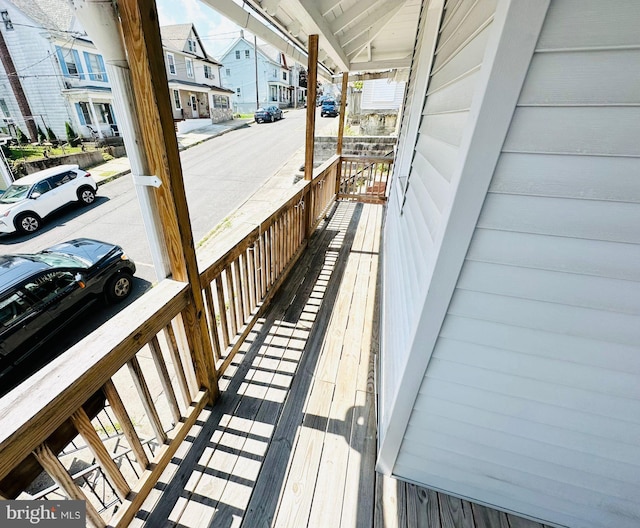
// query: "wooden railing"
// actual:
[[364, 179], [238, 286], [138, 370]]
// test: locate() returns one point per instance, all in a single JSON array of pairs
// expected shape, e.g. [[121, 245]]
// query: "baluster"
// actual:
[[147, 401], [50, 463], [246, 290], [83, 425], [126, 425], [252, 277], [165, 380], [222, 309], [213, 323], [231, 297]]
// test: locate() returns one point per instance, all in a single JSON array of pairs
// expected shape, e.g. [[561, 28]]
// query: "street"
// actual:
[[219, 175]]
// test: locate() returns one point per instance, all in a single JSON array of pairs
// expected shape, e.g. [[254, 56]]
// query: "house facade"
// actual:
[[61, 74], [273, 76], [193, 77], [510, 368]]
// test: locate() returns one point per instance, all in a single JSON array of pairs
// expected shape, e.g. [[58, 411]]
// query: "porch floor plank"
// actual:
[[292, 440]]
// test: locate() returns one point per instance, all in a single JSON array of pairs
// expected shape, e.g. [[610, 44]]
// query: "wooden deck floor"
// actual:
[[292, 441]]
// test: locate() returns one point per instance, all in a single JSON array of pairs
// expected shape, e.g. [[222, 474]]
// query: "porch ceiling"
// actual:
[[355, 35]]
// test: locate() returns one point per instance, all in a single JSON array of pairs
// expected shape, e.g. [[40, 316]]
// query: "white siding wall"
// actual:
[[382, 94], [34, 58], [531, 401], [415, 226]]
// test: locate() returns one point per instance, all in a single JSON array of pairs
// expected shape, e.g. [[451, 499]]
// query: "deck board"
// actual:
[[292, 440]]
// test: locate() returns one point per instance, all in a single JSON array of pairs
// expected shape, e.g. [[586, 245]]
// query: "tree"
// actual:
[[42, 137], [22, 139], [51, 135], [71, 134]]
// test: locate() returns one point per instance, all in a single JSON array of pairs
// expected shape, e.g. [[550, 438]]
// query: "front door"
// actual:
[[194, 106]]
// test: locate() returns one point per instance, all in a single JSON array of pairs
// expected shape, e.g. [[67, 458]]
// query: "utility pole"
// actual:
[[16, 86], [255, 60]]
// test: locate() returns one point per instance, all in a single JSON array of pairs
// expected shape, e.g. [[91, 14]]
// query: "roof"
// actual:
[[49, 14], [15, 268], [261, 50], [199, 85], [175, 37]]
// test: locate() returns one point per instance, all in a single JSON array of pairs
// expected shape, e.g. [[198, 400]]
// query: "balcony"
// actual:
[[292, 315]]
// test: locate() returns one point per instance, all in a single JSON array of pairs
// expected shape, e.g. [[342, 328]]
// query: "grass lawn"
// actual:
[[32, 152]]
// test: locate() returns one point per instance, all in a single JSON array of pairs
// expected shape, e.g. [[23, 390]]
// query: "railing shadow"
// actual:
[[288, 310]]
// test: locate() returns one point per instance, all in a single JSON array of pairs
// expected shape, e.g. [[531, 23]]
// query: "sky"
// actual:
[[215, 31]]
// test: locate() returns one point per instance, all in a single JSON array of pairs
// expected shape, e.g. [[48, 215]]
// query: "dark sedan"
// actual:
[[41, 293], [267, 113]]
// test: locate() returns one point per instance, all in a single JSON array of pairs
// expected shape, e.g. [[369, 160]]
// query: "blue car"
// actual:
[[329, 108], [267, 113]]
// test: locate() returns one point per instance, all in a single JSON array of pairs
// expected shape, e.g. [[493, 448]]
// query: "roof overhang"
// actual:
[[354, 35]]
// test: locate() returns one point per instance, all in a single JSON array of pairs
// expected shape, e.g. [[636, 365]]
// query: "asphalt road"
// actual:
[[219, 175]]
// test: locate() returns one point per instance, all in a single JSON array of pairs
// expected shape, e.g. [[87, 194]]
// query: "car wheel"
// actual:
[[118, 287], [28, 223], [86, 195]]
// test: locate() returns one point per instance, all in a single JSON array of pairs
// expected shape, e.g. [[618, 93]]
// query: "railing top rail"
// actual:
[[33, 411], [369, 159]]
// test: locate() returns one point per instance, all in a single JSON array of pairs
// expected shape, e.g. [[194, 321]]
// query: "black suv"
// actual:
[[41, 292]]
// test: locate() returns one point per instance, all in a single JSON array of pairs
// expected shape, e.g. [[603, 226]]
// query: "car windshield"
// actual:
[[15, 193], [60, 260]]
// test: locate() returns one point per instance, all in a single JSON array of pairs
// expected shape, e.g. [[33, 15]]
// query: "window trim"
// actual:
[[189, 66], [171, 63], [237, 54], [177, 102]]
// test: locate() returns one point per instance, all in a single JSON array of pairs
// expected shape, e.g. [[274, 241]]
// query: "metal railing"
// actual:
[[364, 179]]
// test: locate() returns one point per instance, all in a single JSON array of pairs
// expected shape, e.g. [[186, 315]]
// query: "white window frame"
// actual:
[[177, 103], [94, 66], [171, 61], [189, 64], [208, 72], [237, 54], [247, 54]]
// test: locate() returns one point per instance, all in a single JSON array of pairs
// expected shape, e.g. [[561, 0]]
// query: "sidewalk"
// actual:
[[110, 170]]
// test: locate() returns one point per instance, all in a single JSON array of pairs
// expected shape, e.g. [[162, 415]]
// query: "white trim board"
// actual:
[[515, 31]]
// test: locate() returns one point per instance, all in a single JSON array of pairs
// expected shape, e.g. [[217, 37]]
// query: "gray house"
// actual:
[[194, 79]]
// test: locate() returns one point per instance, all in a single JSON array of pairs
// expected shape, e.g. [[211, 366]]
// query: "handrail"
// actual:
[[364, 178]]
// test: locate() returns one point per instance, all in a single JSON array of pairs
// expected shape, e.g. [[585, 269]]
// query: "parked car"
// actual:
[[41, 293], [267, 113], [30, 199], [329, 108]]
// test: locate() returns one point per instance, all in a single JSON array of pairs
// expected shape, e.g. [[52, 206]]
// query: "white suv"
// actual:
[[31, 198]]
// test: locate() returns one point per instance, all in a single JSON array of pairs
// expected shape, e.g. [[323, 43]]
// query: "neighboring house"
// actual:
[[194, 77], [239, 75], [58, 69], [376, 107], [510, 369], [86, 87]]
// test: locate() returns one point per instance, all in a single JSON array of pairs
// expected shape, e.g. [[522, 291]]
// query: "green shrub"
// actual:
[[71, 133], [22, 139], [51, 135], [42, 137]]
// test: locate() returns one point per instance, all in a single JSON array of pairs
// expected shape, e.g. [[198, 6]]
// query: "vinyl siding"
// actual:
[[531, 401], [417, 216]]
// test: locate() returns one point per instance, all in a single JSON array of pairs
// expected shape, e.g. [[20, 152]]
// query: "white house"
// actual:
[[62, 77], [194, 79], [239, 74]]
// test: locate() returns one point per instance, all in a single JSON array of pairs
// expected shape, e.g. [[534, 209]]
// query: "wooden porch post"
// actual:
[[310, 130], [343, 105], [141, 34], [311, 106]]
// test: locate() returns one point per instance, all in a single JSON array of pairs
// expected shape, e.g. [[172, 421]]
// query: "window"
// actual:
[[172, 63], [228, 71], [274, 93], [208, 74], [237, 91], [247, 55], [13, 308], [69, 61], [86, 113], [47, 287], [220, 101], [95, 67], [41, 187], [189, 67], [191, 44], [176, 100], [237, 54], [284, 75], [4, 108], [61, 179]]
